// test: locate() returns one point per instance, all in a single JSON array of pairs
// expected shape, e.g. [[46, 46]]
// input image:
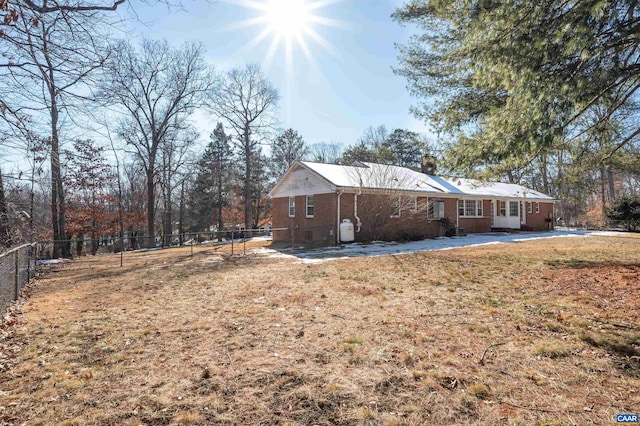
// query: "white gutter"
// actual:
[[338, 221], [355, 209]]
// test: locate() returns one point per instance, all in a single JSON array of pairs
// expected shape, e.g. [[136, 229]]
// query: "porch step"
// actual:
[[510, 230]]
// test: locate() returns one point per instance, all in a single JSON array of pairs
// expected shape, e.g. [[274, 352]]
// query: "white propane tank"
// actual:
[[346, 231]]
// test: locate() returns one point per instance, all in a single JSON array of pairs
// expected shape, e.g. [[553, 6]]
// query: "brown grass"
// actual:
[[540, 332]]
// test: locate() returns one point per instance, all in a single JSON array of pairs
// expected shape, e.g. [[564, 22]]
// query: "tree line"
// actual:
[[138, 175], [543, 94]]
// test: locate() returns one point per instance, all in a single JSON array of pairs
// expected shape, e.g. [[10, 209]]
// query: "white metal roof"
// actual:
[[385, 177], [496, 189]]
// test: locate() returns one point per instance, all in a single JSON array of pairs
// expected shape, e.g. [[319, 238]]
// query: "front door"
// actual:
[[507, 214]]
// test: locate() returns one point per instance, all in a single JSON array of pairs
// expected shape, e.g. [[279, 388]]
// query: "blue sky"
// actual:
[[331, 98]]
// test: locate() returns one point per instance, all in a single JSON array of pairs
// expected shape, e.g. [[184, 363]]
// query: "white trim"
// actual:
[[517, 209], [306, 209], [499, 208], [398, 200], [431, 206], [477, 208], [289, 206], [537, 207]]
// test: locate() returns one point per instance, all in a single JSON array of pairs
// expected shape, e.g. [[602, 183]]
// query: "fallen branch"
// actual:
[[542, 410], [493, 345]]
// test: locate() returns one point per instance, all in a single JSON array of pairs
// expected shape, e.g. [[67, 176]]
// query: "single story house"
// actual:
[[386, 202]]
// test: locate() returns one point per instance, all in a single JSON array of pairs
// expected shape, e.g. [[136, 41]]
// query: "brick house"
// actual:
[[386, 202]]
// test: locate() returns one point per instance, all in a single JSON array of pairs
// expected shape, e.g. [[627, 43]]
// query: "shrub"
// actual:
[[626, 211]]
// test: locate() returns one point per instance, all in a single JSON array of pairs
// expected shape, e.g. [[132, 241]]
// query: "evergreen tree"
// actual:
[[627, 211], [406, 146], [512, 80], [210, 192], [399, 148], [285, 150]]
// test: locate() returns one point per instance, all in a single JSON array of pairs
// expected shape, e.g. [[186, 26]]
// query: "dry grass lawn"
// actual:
[[545, 332]]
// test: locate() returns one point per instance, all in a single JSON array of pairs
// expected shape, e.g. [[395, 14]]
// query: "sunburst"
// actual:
[[290, 24]]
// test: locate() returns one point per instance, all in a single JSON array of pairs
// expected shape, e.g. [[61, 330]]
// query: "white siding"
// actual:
[[302, 182]]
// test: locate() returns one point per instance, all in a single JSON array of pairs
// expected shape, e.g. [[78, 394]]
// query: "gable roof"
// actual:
[[373, 176]]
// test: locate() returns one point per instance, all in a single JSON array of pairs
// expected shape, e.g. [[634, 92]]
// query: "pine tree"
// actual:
[[511, 80], [210, 192], [285, 150]]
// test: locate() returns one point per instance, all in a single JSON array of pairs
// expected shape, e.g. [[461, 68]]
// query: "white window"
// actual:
[[292, 206], [413, 204], [395, 207], [435, 209], [502, 208], [537, 207], [470, 208], [309, 205], [529, 207], [514, 208]]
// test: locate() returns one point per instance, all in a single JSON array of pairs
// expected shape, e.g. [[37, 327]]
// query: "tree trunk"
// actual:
[[247, 180], [612, 191], [5, 231], [167, 228], [603, 193], [545, 174], [151, 207], [58, 234], [220, 222], [181, 216]]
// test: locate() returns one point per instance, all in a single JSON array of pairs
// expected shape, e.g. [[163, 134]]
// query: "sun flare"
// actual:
[[288, 18], [288, 24]]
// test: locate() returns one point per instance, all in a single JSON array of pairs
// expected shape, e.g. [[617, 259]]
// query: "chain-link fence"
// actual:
[[17, 267], [134, 241]]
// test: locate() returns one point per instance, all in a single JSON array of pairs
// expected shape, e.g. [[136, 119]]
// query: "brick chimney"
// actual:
[[428, 164]]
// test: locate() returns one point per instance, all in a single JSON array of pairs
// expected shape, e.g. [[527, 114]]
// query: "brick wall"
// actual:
[[536, 221], [377, 223], [480, 224], [316, 230]]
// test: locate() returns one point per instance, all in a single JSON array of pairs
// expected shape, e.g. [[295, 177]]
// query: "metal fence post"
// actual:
[[232, 242]]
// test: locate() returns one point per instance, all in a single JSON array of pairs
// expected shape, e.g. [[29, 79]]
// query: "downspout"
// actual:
[[355, 209], [338, 221], [457, 215]]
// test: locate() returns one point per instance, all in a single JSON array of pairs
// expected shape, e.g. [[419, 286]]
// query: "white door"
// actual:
[[514, 215], [507, 214]]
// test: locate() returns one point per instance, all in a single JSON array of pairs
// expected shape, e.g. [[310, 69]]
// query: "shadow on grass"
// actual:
[[589, 264], [622, 348]]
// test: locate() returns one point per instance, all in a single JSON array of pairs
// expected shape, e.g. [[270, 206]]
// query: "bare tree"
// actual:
[[174, 156], [386, 208], [246, 101], [54, 52], [156, 88], [5, 233], [324, 152]]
